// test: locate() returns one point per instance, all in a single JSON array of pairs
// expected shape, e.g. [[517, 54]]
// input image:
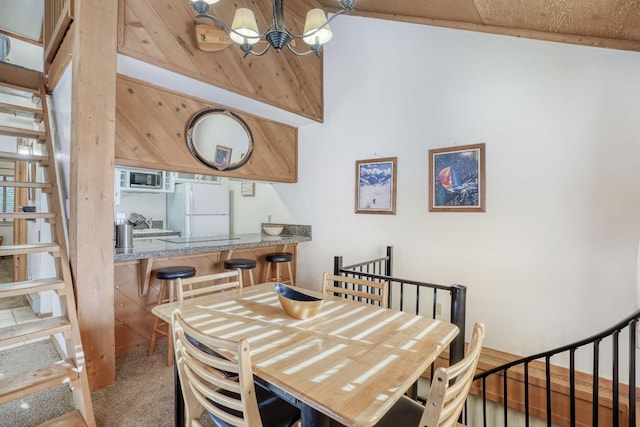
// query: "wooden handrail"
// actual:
[[58, 15]]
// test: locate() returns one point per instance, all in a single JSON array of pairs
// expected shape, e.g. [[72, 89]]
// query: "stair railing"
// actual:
[[623, 395]]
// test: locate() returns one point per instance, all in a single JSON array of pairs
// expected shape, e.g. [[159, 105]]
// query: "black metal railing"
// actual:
[[621, 395], [426, 299]]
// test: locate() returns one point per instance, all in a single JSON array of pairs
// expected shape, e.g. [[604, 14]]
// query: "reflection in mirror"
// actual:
[[220, 139]]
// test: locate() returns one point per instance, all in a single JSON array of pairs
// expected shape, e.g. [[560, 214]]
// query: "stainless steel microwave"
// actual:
[[146, 180], [141, 180]]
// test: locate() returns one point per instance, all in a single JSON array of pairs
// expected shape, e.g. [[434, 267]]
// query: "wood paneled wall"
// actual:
[[162, 32], [150, 132]]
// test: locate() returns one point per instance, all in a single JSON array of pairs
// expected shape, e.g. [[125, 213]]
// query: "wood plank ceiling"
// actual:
[[603, 23]]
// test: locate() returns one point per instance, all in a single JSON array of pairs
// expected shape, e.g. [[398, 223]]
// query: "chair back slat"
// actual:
[[375, 293], [208, 284]]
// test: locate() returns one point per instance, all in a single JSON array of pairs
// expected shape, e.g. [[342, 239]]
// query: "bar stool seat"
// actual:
[[167, 275], [278, 258], [241, 264]]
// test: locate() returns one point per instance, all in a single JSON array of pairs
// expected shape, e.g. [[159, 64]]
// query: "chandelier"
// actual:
[[244, 29]]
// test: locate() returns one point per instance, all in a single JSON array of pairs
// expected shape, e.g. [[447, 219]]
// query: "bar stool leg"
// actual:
[[290, 274], [267, 276], [251, 277], [158, 324]]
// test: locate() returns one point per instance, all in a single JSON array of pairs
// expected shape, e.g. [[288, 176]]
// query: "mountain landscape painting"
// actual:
[[376, 186]]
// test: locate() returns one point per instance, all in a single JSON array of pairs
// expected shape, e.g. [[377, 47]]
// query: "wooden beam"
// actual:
[[506, 31], [91, 189], [61, 60], [21, 38]]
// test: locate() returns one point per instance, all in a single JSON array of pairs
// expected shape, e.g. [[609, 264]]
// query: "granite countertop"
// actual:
[[148, 233], [165, 246]]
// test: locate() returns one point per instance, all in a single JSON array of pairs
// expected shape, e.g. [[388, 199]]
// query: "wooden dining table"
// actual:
[[351, 362]]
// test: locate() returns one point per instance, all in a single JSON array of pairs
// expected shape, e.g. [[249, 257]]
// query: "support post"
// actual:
[[458, 318]]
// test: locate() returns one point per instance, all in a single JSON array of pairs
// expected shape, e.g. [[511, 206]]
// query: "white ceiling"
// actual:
[[22, 17]]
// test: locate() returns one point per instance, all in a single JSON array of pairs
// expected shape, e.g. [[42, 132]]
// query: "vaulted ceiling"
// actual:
[[603, 23]]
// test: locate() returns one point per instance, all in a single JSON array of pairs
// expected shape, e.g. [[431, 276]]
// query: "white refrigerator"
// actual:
[[198, 210]]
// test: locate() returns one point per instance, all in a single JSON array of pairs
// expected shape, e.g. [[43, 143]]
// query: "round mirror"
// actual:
[[220, 139]]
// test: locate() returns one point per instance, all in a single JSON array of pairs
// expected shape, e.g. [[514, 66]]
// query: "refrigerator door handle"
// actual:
[[187, 223], [190, 201]]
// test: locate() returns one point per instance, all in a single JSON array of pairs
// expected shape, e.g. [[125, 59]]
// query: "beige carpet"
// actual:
[[142, 395]]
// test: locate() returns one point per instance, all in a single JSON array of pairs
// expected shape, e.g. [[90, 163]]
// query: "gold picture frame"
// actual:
[[457, 179], [376, 186]]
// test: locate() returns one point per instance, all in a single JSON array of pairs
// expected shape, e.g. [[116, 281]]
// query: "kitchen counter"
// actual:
[[160, 247], [148, 233]]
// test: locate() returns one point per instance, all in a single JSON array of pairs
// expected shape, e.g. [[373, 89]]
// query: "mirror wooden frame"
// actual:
[[222, 149]]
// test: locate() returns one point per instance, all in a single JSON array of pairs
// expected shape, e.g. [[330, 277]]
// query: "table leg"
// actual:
[[312, 418], [179, 403]]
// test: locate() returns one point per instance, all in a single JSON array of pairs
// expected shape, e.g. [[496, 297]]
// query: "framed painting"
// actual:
[[457, 179], [222, 156], [376, 186], [248, 188]]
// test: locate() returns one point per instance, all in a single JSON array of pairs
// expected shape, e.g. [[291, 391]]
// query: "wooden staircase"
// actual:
[[23, 101]]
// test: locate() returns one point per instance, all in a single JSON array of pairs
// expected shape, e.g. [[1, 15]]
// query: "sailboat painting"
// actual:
[[457, 179], [376, 186]]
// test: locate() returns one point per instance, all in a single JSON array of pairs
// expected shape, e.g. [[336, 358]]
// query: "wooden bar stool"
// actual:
[[278, 258], [241, 264], [167, 275]]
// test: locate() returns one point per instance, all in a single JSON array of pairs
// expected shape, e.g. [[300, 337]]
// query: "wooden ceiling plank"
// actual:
[[632, 45], [600, 23], [458, 10]]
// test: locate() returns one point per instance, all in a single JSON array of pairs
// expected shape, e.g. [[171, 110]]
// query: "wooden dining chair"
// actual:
[[208, 284], [367, 291], [206, 386], [449, 390]]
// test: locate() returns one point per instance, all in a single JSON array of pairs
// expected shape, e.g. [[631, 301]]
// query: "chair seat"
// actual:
[[279, 257], [274, 411], [175, 272], [405, 412], [241, 263]]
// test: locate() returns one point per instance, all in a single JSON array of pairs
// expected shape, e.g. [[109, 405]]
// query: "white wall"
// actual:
[[248, 212], [553, 258]]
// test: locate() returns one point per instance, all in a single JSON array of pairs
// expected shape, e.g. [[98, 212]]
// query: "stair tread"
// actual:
[[13, 90], [22, 384], [22, 133], [28, 249], [32, 330], [17, 184], [71, 419], [20, 110], [5, 155], [27, 215], [11, 289]]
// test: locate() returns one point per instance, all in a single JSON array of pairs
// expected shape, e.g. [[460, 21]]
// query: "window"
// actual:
[[6, 195]]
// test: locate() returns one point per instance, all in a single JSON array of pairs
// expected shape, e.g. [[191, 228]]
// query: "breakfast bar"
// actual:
[[136, 288]]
